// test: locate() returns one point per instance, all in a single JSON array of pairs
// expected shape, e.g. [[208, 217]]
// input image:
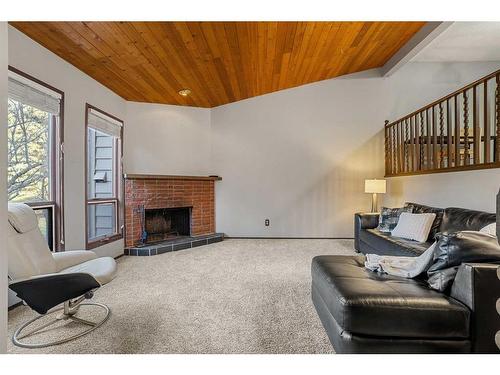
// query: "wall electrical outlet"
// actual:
[[266, 222]]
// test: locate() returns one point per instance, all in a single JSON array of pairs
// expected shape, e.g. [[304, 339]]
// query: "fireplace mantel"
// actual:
[[131, 176]]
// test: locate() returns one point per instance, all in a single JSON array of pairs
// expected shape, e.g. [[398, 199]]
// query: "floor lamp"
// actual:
[[375, 187]]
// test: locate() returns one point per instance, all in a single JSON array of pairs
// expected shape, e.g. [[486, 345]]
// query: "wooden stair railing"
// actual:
[[455, 133]]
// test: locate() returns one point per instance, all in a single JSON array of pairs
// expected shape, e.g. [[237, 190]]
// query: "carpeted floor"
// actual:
[[236, 296]]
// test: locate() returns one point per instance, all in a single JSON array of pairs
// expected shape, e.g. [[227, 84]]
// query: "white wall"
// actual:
[[31, 58], [299, 157], [471, 189], [166, 139], [3, 186], [418, 84]]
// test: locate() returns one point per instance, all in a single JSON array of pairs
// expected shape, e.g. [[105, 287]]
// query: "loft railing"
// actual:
[[457, 132]]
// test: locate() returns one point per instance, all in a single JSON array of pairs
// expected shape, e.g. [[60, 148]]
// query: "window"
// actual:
[[103, 177], [34, 152]]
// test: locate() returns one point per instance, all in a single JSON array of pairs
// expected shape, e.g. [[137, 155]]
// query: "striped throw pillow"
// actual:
[[414, 226]]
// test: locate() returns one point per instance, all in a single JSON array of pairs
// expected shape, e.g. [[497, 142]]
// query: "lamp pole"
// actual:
[[374, 202]]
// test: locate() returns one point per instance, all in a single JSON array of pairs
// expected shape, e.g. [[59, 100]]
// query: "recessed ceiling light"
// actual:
[[184, 92]]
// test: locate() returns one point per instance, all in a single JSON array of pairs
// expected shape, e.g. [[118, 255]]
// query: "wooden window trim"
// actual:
[[118, 185], [57, 163]]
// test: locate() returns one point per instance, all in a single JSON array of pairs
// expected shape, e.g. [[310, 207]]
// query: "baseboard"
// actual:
[[15, 305], [286, 238]]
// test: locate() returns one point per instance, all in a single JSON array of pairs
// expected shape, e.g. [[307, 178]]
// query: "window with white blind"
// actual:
[[35, 158], [103, 177]]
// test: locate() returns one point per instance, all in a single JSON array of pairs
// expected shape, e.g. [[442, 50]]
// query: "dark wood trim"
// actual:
[[34, 79], [57, 162], [130, 176], [90, 106], [103, 200], [461, 168], [118, 184], [103, 241]]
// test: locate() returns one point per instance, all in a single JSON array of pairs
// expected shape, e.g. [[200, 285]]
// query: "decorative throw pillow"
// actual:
[[389, 217], [453, 249], [490, 229], [414, 226], [422, 209]]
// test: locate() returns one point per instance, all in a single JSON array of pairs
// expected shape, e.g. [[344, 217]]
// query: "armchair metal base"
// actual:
[[69, 310]]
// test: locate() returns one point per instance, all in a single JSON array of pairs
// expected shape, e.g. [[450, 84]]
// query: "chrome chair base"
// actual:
[[68, 312]]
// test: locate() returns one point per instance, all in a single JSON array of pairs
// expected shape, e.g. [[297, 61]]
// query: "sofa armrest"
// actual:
[[364, 221], [477, 286]]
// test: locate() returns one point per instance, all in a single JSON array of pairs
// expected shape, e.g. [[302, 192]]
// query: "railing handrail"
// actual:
[[445, 98]]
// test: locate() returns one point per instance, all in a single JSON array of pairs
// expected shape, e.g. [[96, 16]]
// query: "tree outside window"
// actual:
[[28, 153]]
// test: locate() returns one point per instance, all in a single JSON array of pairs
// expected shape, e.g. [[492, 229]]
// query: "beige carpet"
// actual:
[[236, 296]]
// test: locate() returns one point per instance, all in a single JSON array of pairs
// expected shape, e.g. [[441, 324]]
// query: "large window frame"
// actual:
[[54, 206], [118, 185]]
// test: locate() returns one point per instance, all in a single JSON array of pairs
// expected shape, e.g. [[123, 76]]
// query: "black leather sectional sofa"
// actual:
[[368, 312], [368, 240]]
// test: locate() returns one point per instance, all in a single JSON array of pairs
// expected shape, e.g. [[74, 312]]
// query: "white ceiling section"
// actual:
[[464, 42]]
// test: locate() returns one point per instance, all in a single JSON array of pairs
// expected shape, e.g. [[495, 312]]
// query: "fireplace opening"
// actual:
[[161, 224]]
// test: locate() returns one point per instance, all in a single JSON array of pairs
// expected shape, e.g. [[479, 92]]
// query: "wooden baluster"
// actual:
[[441, 136], [412, 145], [449, 138], [394, 148], [457, 133], [497, 120], [435, 159], [401, 147], [486, 125], [476, 131], [417, 165], [398, 143], [406, 144], [466, 129], [429, 143], [386, 146], [422, 148]]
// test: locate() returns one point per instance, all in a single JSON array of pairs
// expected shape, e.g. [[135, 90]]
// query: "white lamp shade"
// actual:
[[375, 186]]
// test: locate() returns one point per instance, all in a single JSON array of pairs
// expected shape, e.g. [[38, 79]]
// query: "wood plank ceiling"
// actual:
[[220, 62]]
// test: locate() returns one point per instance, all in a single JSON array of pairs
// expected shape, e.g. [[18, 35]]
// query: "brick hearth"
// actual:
[[166, 192]]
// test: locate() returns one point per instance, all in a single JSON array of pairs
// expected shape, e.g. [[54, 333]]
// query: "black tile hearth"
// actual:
[[174, 245]]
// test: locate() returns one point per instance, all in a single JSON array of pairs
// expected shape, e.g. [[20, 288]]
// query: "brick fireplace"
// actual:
[[162, 194]]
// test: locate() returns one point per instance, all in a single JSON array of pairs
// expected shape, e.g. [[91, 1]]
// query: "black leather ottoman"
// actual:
[[366, 312]]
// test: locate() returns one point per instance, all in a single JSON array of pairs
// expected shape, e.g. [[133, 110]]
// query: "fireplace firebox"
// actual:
[[161, 224]]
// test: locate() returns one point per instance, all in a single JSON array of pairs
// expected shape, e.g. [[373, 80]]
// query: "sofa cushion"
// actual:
[[458, 219], [422, 209], [386, 244], [367, 303]]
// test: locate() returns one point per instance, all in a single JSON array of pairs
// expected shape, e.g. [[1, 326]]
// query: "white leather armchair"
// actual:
[[44, 280]]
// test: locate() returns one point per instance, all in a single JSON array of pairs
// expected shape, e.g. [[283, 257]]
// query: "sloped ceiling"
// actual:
[[220, 62]]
